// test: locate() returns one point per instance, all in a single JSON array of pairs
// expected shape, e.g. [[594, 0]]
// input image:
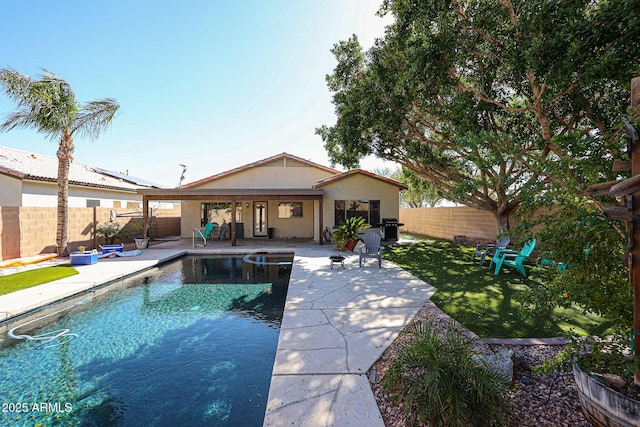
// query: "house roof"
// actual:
[[231, 193], [342, 175], [262, 162], [36, 167]]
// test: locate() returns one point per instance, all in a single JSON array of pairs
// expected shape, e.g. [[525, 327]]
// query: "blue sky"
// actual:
[[210, 84]]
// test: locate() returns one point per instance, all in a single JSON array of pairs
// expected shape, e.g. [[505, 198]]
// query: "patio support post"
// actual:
[[233, 221], [145, 212], [320, 221]]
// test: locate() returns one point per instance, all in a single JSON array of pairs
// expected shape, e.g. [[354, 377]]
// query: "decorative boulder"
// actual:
[[501, 362]]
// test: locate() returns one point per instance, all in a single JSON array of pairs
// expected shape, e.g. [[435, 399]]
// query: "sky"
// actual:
[[210, 84]]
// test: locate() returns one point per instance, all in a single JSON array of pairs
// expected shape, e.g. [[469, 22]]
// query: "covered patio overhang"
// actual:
[[233, 195]]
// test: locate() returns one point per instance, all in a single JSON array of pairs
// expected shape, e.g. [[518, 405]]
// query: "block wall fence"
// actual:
[[26, 231], [448, 222]]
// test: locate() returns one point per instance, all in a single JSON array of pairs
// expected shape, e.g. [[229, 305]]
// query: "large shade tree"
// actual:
[[48, 104], [485, 99]]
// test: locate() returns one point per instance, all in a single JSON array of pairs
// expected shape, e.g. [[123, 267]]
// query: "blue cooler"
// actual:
[[84, 258], [107, 249]]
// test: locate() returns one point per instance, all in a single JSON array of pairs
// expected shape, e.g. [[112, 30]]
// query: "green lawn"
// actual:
[[481, 301], [27, 279]]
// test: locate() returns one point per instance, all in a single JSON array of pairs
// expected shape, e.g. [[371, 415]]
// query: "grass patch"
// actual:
[[483, 302], [38, 276]]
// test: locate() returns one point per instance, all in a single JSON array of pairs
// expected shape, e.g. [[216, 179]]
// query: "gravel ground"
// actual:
[[535, 400]]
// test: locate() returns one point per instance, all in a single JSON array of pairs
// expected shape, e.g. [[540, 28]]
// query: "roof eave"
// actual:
[[335, 178]]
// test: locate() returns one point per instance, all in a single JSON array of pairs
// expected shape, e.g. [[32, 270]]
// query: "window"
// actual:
[[367, 209], [218, 213], [290, 210], [91, 203]]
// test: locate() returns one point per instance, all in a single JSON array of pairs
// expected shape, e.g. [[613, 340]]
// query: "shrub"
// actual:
[[111, 232], [596, 279], [347, 230], [443, 381]]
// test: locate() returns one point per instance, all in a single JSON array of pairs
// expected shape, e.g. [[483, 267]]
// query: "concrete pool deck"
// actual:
[[337, 323]]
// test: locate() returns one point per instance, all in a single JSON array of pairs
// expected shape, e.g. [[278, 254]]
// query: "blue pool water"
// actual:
[[189, 344]]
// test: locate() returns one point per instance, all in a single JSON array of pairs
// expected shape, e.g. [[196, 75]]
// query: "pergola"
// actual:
[[233, 195]]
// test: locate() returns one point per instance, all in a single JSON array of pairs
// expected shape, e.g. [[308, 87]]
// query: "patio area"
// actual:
[[337, 322]]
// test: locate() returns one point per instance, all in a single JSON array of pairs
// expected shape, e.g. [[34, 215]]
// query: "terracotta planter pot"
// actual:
[[351, 244], [602, 405]]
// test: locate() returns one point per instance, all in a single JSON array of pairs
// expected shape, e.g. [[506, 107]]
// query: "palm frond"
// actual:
[[15, 85], [94, 117], [48, 100], [15, 120]]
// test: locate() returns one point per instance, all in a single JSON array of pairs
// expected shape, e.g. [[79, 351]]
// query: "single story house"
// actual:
[[283, 196], [28, 179]]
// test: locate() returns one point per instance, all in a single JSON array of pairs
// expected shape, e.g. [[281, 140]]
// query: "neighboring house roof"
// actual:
[[141, 182], [262, 162], [342, 175], [36, 167]]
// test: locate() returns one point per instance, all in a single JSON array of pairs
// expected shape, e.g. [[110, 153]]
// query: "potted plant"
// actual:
[[142, 242], [111, 232], [603, 371], [345, 235]]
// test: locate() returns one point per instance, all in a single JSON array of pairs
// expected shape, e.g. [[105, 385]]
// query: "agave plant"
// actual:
[[443, 381], [347, 230]]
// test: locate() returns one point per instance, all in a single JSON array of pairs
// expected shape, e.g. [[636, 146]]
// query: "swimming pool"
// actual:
[[191, 343]]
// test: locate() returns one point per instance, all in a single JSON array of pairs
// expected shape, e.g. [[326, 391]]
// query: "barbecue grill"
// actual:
[[390, 228]]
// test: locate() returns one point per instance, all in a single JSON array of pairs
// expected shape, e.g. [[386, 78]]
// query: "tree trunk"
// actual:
[[502, 220], [65, 156]]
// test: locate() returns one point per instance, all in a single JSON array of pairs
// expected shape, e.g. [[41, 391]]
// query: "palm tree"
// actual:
[[48, 105]]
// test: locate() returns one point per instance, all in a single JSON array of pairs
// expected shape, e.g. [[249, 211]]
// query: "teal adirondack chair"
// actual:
[[197, 233], [208, 229], [512, 258], [562, 266]]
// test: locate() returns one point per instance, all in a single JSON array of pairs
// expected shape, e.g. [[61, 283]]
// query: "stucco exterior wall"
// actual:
[[190, 218], [280, 174], [291, 227], [37, 193], [10, 191], [283, 227], [360, 187]]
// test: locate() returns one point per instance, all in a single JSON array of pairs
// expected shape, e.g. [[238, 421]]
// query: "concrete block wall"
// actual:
[[448, 222], [26, 231], [9, 231]]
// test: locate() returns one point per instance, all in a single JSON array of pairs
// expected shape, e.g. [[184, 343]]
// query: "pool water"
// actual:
[[190, 344]]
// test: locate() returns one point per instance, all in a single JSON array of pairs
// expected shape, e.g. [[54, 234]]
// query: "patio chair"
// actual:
[[512, 258], [488, 249], [371, 248], [561, 266], [208, 229], [224, 230], [202, 234]]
